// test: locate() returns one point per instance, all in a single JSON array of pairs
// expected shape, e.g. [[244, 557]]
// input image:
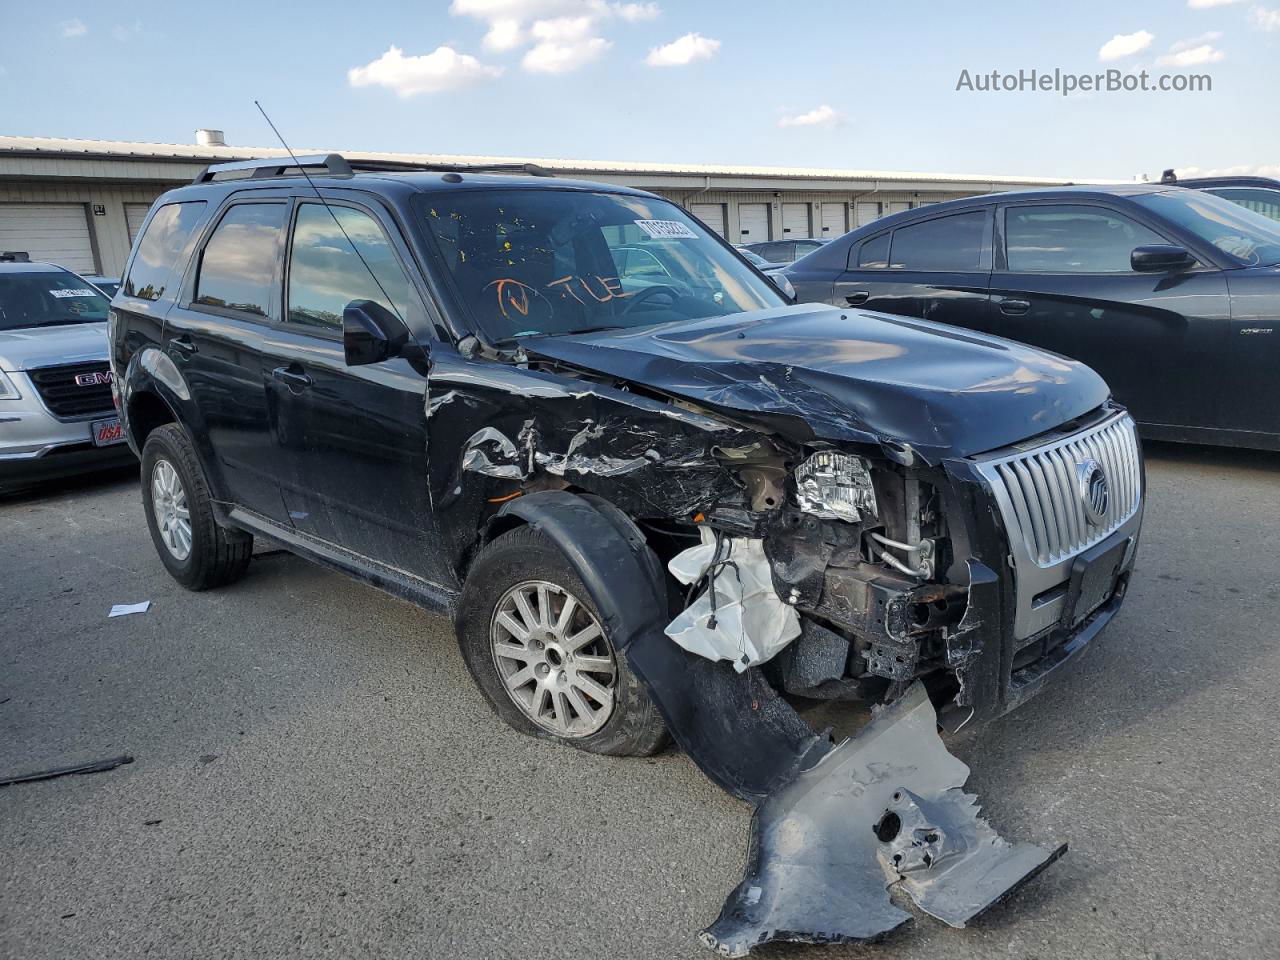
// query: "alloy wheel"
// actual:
[[553, 659], [169, 505]]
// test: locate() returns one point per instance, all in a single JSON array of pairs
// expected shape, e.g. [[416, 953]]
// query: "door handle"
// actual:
[[294, 379], [857, 297], [1014, 308], [184, 345]]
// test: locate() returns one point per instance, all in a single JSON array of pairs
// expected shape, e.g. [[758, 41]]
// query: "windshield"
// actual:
[[529, 262], [45, 298], [1248, 238], [753, 258]]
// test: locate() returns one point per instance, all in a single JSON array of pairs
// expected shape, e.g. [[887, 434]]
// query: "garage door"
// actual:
[[897, 206], [712, 214], [134, 215], [55, 232], [868, 210], [753, 222], [795, 220], [834, 219]]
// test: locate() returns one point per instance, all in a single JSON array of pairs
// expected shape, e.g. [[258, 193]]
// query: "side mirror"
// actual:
[[1161, 258], [370, 333]]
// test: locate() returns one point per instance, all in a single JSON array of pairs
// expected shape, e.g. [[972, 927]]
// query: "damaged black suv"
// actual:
[[652, 492]]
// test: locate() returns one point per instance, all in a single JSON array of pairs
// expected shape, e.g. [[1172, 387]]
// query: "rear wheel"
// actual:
[[197, 552], [538, 650]]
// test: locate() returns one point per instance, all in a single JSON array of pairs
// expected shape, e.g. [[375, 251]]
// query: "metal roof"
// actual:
[[194, 153]]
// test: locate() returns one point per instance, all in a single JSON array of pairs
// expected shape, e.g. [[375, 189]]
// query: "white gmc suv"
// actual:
[[56, 412]]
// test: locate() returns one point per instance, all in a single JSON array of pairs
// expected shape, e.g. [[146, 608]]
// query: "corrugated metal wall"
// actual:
[[110, 228], [731, 198]]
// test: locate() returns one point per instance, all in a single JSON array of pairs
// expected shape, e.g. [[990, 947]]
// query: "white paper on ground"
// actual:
[[124, 609], [752, 622]]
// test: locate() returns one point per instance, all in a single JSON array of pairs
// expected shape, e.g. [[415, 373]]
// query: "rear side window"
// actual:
[[1261, 200], [874, 253], [159, 247], [1072, 239], [952, 244], [238, 265], [325, 274]]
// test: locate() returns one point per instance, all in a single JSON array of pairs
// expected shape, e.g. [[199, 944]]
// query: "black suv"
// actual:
[[449, 384]]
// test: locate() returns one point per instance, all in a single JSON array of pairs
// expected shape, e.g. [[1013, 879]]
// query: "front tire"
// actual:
[[197, 552], [537, 648]]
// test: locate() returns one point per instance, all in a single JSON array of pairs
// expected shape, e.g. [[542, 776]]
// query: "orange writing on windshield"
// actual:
[[514, 295]]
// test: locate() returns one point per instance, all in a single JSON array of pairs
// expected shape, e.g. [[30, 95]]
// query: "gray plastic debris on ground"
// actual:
[[882, 808]]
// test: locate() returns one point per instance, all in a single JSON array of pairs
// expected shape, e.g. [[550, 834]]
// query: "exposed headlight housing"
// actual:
[[836, 486]]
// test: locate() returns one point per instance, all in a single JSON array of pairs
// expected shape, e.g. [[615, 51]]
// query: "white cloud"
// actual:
[[1264, 18], [563, 44], [503, 35], [686, 49], [123, 33], [1125, 45], [442, 69], [1206, 4], [1210, 37], [522, 10], [1191, 57], [1239, 170], [823, 116], [73, 28], [635, 12]]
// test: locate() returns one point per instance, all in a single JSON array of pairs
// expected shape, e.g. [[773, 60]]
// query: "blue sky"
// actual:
[[813, 83]]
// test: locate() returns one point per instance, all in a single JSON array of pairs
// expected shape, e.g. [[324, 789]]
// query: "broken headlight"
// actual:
[[836, 486]]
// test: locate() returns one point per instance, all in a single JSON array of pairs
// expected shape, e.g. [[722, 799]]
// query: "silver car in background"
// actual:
[[57, 416]]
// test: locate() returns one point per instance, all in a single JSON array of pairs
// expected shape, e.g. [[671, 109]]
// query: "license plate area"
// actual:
[[1093, 579], [106, 432]]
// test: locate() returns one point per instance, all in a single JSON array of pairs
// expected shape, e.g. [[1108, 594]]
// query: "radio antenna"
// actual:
[[336, 222]]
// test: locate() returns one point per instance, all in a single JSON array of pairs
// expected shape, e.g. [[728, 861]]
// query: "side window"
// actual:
[[1071, 239], [1258, 199], [874, 253], [325, 273], [774, 252], [238, 265], [954, 244], [158, 249]]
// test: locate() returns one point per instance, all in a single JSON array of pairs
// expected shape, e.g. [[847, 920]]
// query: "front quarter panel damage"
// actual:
[[835, 825]]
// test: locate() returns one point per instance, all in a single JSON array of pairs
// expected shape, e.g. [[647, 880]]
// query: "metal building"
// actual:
[[79, 203]]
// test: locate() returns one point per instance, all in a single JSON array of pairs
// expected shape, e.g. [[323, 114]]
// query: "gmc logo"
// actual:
[[92, 379]]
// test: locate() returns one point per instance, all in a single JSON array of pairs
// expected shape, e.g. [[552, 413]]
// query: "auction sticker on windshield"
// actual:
[[666, 229], [75, 292]]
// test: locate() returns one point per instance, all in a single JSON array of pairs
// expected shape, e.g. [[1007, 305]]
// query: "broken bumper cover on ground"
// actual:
[[884, 807], [822, 853]]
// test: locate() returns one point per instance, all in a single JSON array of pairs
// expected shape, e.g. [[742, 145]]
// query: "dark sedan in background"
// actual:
[[1173, 295], [786, 251]]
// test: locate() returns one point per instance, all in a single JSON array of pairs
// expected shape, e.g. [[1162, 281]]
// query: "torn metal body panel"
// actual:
[[884, 807]]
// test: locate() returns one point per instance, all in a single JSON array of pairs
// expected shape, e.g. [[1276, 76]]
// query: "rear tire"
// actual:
[[197, 552], [562, 679]]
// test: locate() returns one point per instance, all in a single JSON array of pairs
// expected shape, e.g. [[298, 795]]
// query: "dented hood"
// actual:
[[848, 375]]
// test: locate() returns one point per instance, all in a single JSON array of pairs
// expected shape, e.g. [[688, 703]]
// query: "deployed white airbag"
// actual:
[[751, 622]]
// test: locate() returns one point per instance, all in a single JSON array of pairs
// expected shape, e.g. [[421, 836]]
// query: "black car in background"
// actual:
[[1173, 295], [786, 251], [1259, 194]]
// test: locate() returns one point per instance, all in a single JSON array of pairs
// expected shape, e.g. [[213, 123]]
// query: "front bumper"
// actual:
[[35, 445]]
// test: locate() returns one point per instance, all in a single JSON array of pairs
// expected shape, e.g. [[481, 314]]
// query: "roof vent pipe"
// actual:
[[210, 138]]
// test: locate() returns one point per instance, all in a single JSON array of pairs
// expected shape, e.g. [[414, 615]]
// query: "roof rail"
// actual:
[[14, 256], [334, 164], [394, 166]]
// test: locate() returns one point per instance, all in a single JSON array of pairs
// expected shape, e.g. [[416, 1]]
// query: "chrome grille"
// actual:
[[1040, 497]]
